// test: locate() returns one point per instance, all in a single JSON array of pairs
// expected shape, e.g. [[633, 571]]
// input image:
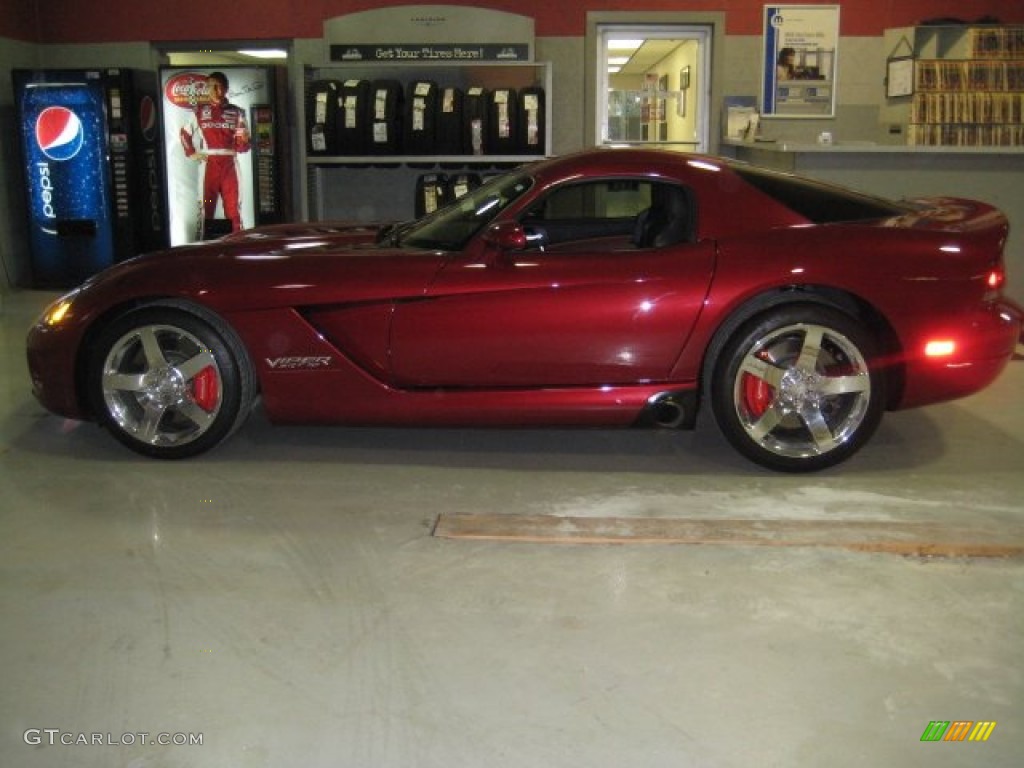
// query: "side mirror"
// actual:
[[506, 236]]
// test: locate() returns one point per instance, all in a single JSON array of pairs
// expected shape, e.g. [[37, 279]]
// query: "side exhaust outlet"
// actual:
[[671, 410]]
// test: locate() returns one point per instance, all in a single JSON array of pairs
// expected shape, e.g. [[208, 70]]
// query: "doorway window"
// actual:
[[653, 84]]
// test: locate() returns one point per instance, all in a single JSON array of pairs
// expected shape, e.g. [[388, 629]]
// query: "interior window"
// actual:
[[599, 200], [609, 214]]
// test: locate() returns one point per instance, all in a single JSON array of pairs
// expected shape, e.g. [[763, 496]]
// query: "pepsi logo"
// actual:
[[59, 133], [147, 117]]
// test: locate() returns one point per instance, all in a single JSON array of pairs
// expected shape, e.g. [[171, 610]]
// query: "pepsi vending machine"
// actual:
[[90, 143], [221, 148]]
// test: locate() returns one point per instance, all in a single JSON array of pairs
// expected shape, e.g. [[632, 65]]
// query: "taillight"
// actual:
[[940, 348]]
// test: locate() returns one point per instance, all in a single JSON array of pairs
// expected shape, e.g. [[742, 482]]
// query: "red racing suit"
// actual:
[[218, 134]]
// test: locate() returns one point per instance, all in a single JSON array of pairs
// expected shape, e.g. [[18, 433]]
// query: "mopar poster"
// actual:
[[799, 60], [208, 146]]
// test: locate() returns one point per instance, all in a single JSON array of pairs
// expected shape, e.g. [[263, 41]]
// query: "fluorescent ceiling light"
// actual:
[[624, 45], [266, 53], [614, 70], [617, 60]]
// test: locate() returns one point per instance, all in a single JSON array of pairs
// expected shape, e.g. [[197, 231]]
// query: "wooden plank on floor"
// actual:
[[904, 538]]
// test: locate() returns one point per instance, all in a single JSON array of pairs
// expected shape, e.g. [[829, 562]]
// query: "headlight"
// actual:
[[55, 314]]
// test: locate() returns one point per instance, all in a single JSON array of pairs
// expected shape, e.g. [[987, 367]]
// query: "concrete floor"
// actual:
[[283, 599]]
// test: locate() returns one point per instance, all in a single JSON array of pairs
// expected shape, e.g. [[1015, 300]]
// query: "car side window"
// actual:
[[609, 214]]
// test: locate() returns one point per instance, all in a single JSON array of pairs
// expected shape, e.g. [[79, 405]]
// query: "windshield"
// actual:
[[450, 228]]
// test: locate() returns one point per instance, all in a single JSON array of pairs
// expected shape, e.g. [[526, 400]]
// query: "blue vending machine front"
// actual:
[[63, 128]]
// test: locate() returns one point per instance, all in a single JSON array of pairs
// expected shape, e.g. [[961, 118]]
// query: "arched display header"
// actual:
[[430, 33]]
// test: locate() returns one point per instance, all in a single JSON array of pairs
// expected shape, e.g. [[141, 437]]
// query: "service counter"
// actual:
[[992, 174]]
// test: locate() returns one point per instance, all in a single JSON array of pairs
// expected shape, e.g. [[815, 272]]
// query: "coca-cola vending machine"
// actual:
[[90, 142], [221, 150]]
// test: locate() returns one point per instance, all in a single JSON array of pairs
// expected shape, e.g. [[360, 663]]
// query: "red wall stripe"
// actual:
[[108, 21]]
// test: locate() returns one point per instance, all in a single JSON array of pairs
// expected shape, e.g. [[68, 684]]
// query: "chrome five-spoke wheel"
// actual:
[[162, 385], [795, 390], [169, 383]]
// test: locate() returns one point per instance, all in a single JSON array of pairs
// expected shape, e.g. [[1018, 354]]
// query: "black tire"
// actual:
[[170, 381], [796, 389]]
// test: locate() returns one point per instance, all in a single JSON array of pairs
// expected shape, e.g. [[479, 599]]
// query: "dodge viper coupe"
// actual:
[[605, 288]]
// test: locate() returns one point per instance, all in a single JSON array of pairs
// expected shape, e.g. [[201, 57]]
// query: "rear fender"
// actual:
[[888, 344]]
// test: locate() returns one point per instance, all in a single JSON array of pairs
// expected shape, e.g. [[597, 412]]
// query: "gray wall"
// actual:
[[567, 118], [13, 229]]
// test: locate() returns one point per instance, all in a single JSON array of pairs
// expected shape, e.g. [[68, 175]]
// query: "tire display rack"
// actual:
[[381, 186]]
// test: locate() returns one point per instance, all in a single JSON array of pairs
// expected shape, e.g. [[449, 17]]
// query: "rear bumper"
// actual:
[[985, 341]]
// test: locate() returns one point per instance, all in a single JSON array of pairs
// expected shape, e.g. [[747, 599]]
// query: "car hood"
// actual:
[[336, 231], [287, 265]]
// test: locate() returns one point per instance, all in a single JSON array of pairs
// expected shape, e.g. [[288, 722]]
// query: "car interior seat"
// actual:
[[666, 221]]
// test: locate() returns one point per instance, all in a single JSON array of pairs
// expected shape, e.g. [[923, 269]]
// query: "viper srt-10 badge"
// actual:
[[297, 363]]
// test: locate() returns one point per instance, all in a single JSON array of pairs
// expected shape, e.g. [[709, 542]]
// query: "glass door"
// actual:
[[653, 85]]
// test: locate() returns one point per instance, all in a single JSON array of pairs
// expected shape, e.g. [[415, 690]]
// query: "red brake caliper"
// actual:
[[206, 388], [757, 394]]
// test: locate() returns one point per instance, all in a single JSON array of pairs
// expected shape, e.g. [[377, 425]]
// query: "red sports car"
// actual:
[[605, 288]]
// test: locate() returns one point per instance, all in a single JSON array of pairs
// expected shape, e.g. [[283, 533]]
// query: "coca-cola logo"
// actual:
[[187, 90]]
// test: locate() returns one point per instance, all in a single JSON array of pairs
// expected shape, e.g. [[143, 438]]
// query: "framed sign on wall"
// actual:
[[899, 78], [800, 55]]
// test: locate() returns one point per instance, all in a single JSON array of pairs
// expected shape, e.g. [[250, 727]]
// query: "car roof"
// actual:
[[710, 178], [632, 160], [768, 198]]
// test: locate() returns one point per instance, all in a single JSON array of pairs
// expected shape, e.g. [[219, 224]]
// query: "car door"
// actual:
[[582, 305]]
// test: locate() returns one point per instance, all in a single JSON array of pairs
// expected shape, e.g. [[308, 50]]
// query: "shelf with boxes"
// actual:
[[395, 141], [967, 88]]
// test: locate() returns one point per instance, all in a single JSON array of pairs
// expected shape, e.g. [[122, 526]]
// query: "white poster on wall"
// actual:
[[800, 55]]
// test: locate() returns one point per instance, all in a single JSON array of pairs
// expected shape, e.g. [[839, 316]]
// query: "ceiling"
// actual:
[[646, 56]]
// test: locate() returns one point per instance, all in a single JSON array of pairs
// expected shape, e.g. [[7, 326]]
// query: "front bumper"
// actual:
[[52, 355]]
